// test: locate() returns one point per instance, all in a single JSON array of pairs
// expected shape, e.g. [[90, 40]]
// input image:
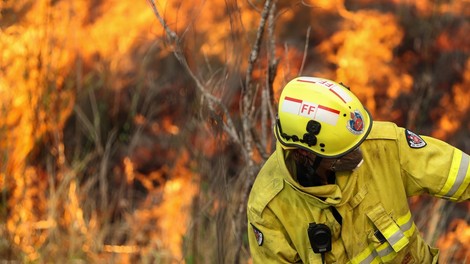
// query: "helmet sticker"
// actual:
[[327, 115], [291, 105], [413, 140], [335, 89], [310, 110], [258, 235], [356, 124]]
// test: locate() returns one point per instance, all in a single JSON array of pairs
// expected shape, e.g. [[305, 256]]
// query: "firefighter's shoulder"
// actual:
[[267, 185], [384, 130]]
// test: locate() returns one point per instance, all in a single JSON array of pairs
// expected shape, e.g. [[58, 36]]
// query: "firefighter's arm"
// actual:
[[435, 167], [457, 184], [268, 240]]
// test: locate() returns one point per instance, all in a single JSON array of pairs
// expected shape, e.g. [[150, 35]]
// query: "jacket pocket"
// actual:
[[435, 254], [387, 238]]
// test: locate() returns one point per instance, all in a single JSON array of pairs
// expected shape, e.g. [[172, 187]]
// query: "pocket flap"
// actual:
[[387, 226]]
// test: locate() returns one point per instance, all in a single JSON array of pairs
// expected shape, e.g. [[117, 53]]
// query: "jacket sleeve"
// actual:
[[268, 240], [432, 166]]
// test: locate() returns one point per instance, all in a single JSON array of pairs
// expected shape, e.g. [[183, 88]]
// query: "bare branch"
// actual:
[[307, 37], [267, 92], [248, 92], [212, 101], [248, 107], [273, 62], [257, 45]]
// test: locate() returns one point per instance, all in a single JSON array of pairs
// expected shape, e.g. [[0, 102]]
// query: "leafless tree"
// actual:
[[247, 136]]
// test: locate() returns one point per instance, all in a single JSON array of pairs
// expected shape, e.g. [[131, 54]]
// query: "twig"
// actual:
[[304, 58], [212, 101], [267, 94], [248, 93], [273, 63], [255, 50]]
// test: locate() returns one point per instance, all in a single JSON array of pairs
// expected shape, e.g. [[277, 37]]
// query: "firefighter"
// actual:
[[335, 190]]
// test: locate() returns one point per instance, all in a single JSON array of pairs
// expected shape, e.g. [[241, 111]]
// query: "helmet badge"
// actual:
[[356, 124]]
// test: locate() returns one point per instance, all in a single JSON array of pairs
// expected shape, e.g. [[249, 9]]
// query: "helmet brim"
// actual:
[[293, 145]]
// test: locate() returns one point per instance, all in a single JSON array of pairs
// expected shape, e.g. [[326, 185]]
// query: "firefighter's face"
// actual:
[[348, 162]]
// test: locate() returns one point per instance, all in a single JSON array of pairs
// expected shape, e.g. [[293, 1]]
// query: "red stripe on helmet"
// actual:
[[342, 99], [293, 99], [328, 109]]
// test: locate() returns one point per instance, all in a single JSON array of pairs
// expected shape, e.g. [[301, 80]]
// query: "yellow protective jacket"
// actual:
[[371, 199]]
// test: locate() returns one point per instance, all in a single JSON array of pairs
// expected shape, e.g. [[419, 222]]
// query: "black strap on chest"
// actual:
[[336, 215]]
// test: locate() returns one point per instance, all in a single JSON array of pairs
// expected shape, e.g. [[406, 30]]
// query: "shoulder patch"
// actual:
[[259, 236], [413, 140]]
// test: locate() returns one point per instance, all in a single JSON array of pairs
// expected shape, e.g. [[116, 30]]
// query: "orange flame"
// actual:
[[363, 51], [456, 244], [170, 214], [450, 121]]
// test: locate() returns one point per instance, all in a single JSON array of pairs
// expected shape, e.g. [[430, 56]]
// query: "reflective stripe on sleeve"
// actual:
[[458, 178]]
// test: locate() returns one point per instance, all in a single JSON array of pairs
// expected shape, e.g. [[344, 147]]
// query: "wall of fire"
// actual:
[[110, 153]]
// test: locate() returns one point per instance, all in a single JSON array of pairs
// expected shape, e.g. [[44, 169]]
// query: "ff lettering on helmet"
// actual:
[[311, 110]]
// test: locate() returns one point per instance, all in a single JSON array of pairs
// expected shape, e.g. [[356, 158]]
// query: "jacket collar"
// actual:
[[326, 195]]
